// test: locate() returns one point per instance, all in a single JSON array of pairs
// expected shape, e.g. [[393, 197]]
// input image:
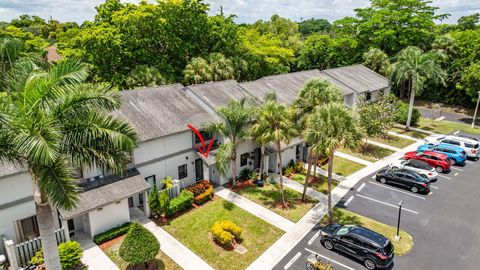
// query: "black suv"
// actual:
[[373, 249]]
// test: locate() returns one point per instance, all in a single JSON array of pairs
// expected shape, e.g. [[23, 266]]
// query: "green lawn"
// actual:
[[411, 133], [394, 141], [269, 197], [320, 183], [163, 261], [372, 153], [402, 247], [445, 127], [344, 167], [193, 230]]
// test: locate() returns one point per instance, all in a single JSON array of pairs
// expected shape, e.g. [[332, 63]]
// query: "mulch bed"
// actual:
[[241, 185], [111, 243]]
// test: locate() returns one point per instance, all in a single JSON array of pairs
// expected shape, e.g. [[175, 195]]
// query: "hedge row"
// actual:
[[180, 203], [111, 234]]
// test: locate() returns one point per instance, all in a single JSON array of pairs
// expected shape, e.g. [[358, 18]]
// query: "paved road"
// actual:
[[444, 224], [454, 117]]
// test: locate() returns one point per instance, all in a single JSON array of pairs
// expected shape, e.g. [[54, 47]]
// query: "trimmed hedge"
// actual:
[[69, 252], [139, 246], [204, 197], [180, 203], [225, 232], [112, 233]]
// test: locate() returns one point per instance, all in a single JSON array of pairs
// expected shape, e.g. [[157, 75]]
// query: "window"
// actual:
[[244, 159], [347, 238], [151, 180], [28, 228], [368, 96], [206, 136], [182, 171]]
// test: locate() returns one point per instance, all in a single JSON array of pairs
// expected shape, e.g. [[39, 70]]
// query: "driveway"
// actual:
[[454, 117], [444, 224]]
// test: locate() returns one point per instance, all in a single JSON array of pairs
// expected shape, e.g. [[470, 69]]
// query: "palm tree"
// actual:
[[10, 50], [233, 124], [51, 122], [144, 75], [332, 126], [222, 67], [377, 60], [197, 71], [315, 93], [274, 124], [416, 67]]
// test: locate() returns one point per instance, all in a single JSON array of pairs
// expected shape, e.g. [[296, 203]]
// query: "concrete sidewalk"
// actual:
[[323, 172], [255, 209], [93, 256], [353, 158], [404, 136], [299, 188], [384, 145]]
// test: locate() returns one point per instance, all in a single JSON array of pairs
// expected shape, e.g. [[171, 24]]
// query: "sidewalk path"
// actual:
[[353, 158], [299, 188], [323, 172], [404, 136], [255, 209], [384, 145], [176, 250], [93, 256]]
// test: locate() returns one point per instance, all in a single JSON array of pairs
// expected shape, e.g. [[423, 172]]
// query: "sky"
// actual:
[[246, 10]]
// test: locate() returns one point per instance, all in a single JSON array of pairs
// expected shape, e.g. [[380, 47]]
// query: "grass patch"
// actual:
[[319, 183], [445, 127], [394, 141], [344, 167], [269, 197], [111, 250], [193, 230], [402, 247], [372, 153], [411, 133]]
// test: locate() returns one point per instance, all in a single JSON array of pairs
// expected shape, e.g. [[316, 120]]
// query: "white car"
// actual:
[[417, 166], [471, 147]]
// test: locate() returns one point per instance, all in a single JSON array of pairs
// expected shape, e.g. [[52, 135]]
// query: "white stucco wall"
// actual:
[[110, 216], [9, 216], [15, 187]]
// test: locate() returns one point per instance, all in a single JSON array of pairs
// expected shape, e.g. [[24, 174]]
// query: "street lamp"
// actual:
[[398, 223], [476, 109]]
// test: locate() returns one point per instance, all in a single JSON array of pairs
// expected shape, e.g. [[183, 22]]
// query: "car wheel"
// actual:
[[328, 245], [369, 264], [439, 169], [383, 180], [414, 189], [310, 266], [394, 168]]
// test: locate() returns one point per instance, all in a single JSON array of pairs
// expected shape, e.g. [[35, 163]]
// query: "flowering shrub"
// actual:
[[204, 197], [226, 232], [199, 187]]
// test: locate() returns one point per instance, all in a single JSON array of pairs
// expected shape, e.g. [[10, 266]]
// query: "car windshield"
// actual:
[[343, 230], [420, 164]]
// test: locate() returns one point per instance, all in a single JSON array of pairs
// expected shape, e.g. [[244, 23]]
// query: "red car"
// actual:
[[440, 162]]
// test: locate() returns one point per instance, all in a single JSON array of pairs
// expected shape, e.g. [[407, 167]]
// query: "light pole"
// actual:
[[398, 223], [476, 109]]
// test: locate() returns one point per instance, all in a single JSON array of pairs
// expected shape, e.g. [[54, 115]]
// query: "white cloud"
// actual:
[[246, 10]]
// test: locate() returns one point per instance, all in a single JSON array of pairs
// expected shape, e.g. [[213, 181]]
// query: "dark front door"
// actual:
[[71, 227], [305, 153], [257, 156], [198, 169]]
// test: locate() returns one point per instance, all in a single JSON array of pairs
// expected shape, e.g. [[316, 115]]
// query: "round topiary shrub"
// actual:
[[139, 246], [401, 114], [226, 232]]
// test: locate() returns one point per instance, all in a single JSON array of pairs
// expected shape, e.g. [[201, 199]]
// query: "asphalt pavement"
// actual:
[[449, 116]]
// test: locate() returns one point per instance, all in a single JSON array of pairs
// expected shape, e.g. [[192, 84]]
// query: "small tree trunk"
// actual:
[[309, 170], [366, 145], [262, 153], [410, 106], [281, 173], [46, 227], [234, 171], [315, 165], [329, 181]]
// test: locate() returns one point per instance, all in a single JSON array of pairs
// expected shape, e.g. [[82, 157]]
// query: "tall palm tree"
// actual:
[[144, 75], [274, 124], [377, 60], [222, 67], [10, 51], [332, 126], [315, 93], [51, 122], [416, 67], [197, 71], [233, 124]]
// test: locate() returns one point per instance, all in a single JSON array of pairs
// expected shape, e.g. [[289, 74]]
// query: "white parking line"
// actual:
[[456, 132], [468, 161], [391, 205], [326, 258], [440, 118], [433, 187], [361, 187], [373, 176], [314, 237], [394, 189], [455, 174], [455, 168], [348, 201], [446, 177], [292, 260]]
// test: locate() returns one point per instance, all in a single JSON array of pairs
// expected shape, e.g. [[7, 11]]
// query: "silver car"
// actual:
[[471, 147], [417, 166]]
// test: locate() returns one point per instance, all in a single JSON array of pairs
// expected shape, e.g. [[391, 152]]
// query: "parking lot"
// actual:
[[444, 224]]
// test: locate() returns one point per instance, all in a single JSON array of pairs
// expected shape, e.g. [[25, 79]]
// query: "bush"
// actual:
[[288, 171], [245, 174], [153, 201], [112, 233], [225, 232], [401, 114], [69, 252], [299, 167], [253, 175], [180, 203], [204, 197], [199, 187], [164, 202], [139, 246]]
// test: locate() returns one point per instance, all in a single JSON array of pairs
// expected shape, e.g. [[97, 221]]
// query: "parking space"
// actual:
[[444, 223]]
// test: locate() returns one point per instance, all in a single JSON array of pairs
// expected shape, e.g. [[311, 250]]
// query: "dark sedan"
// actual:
[[373, 249], [405, 179]]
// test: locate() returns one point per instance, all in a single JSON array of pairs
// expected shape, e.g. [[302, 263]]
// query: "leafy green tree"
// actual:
[[10, 52], [377, 60], [139, 247], [415, 67], [332, 126], [145, 76], [197, 71], [222, 67], [233, 125], [274, 124], [468, 22], [51, 122], [311, 26], [164, 202], [470, 81], [284, 29], [153, 201]]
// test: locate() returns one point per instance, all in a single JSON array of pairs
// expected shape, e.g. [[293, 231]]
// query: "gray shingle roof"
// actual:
[[160, 111], [107, 194], [218, 94], [7, 168], [358, 77]]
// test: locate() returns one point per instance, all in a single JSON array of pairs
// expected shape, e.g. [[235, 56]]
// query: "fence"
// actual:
[[174, 191]]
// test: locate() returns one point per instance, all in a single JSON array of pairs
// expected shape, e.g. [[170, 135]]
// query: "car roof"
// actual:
[[419, 162], [370, 235], [449, 146], [435, 154], [463, 139]]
